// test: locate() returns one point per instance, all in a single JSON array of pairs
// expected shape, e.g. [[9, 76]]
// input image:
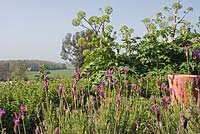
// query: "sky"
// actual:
[[34, 29]]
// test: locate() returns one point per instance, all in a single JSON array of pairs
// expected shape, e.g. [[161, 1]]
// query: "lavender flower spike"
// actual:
[[23, 109], [2, 112], [57, 131]]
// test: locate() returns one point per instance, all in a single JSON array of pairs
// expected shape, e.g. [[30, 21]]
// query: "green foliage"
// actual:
[[163, 49]]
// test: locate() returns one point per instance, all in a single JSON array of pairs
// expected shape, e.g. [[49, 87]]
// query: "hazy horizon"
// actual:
[[34, 29]]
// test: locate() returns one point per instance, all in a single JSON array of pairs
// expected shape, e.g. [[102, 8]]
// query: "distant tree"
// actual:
[[4, 71], [18, 70], [76, 47]]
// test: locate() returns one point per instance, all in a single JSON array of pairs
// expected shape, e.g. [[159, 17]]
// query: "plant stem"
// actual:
[[2, 131], [18, 128], [47, 101], [188, 65], [24, 127]]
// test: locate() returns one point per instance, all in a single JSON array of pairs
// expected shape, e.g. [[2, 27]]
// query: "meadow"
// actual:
[[60, 73]]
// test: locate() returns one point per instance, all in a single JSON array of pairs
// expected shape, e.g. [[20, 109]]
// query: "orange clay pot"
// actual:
[[180, 85]]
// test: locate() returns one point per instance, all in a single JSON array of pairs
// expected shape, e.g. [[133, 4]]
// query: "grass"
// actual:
[[62, 73]]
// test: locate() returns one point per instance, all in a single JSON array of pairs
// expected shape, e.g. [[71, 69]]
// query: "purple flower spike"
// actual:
[[16, 121], [101, 93], [102, 86], [164, 102], [115, 81], [109, 74], [77, 73], [126, 83], [158, 113], [126, 70], [120, 89], [133, 86], [96, 88], [154, 99], [152, 109], [56, 131], [114, 70], [118, 99], [196, 55], [23, 109], [46, 83], [37, 130], [2, 112], [39, 111], [163, 87], [158, 81]]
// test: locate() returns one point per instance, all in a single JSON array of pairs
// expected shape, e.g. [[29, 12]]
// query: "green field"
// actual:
[[63, 73]]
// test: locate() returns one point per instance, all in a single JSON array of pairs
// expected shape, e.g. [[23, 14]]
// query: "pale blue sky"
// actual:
[[34, 29]]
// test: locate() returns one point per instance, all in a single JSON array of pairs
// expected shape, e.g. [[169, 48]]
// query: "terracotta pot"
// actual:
[[180, 86]]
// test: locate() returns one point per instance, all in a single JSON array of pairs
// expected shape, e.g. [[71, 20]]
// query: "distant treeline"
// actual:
[[34, 65], [17, 68]]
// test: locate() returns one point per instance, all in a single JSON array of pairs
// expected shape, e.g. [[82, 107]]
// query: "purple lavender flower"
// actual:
[[46, 83], [39, 111], [197, 80], [23, 109], [126, 70], [163, 87], [102, 86], [37, 131], [133, 86], [16, 121], [96, 88], [158, 113], [101, 92], [152, 109], [158, 80], [164, 102], [154, 99], [2, 112], [77, 73], [115, 81], [196, 55], [57, 131], [118, 99], [114, 70], [109, 74], [120, 89], [60, 90]]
